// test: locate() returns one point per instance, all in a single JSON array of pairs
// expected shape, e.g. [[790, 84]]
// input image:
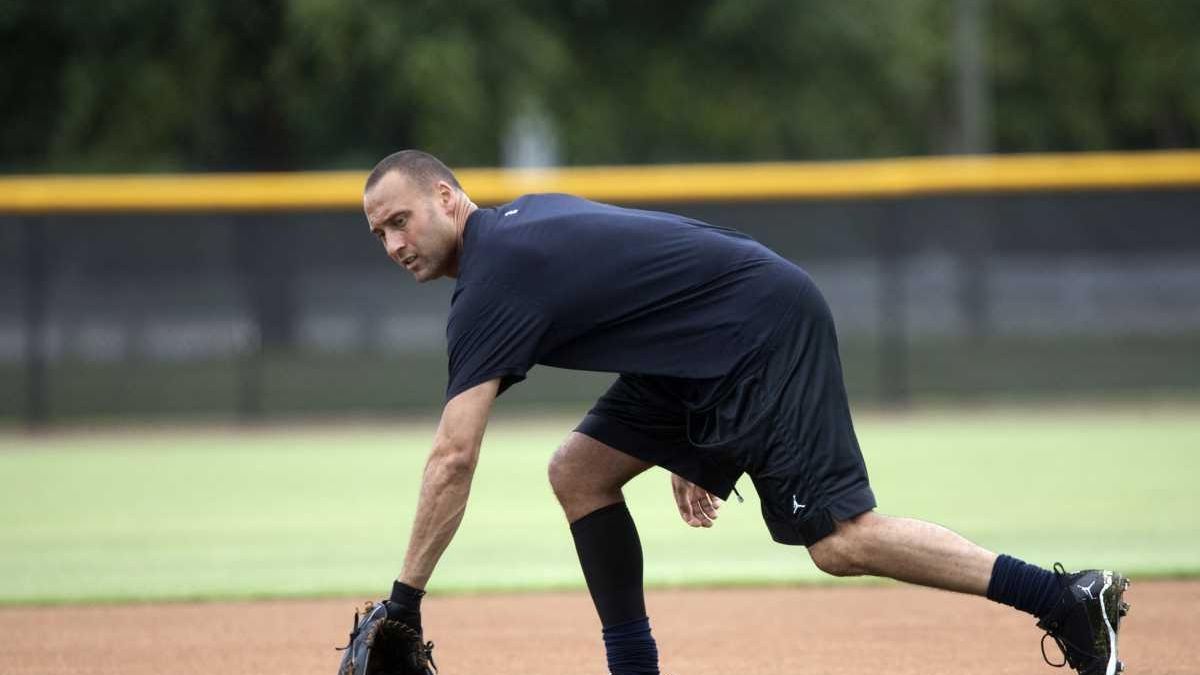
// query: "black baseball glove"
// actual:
[[380, 645]]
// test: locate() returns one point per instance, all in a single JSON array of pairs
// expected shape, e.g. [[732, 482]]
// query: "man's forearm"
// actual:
[[447, 480], [444, 490]]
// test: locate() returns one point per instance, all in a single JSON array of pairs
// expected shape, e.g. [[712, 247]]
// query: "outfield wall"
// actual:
[[1059, 276]]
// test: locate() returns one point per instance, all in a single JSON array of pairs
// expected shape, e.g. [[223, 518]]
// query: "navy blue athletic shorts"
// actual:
[[784, 420]]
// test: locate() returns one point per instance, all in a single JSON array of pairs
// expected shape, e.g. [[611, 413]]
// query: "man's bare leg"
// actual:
[[587, 476], [905, 549], [1082, 610]]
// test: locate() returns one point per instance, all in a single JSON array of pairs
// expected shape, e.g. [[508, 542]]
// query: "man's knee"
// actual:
[[575, 471], [586, 474], [844, 552], [562, 478]]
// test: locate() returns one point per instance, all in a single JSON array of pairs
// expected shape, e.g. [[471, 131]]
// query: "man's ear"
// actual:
[[445, 196]]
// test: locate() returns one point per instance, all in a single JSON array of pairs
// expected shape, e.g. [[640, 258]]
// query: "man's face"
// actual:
[[414, 224]]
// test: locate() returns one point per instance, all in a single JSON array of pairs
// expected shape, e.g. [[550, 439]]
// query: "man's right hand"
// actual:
[[697, 506]]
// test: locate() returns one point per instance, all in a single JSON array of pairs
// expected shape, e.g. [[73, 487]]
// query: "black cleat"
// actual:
[[1085, 620]]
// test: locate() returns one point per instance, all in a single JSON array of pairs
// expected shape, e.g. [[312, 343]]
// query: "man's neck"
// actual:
[[462, 211]]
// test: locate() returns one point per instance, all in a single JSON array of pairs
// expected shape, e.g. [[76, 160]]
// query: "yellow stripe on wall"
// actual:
[[658, 183]]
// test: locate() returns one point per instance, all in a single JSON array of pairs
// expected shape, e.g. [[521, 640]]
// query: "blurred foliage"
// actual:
[[136, 85]]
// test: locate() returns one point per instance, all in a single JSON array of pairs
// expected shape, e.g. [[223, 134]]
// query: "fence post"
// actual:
[[37, 271], [246, 256], [895, 388], [974, 259]]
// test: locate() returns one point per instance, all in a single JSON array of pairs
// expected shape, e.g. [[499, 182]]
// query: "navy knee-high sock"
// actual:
[[1027, 587], [630, 648], [610, 554]]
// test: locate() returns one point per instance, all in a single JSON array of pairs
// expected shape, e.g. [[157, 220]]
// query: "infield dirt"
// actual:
[[776, 631]]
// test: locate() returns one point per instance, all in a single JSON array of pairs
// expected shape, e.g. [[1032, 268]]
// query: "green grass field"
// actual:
[[315, 510]]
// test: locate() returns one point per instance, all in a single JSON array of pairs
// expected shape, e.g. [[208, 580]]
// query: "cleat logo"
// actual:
[[1087, 589], [796, 505]]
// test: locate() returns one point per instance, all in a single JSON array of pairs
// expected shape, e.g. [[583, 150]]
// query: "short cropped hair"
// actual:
[[421, 167]]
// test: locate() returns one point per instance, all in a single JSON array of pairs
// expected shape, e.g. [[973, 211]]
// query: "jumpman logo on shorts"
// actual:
[[796, 505]]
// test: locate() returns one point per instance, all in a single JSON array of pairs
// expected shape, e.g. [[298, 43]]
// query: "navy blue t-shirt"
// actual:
[[562, 281]]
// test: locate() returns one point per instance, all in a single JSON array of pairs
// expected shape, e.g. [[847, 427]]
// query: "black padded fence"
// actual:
[[1065, 295]]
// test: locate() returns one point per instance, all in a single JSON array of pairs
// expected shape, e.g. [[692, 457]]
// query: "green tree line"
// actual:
[[197, 85]]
